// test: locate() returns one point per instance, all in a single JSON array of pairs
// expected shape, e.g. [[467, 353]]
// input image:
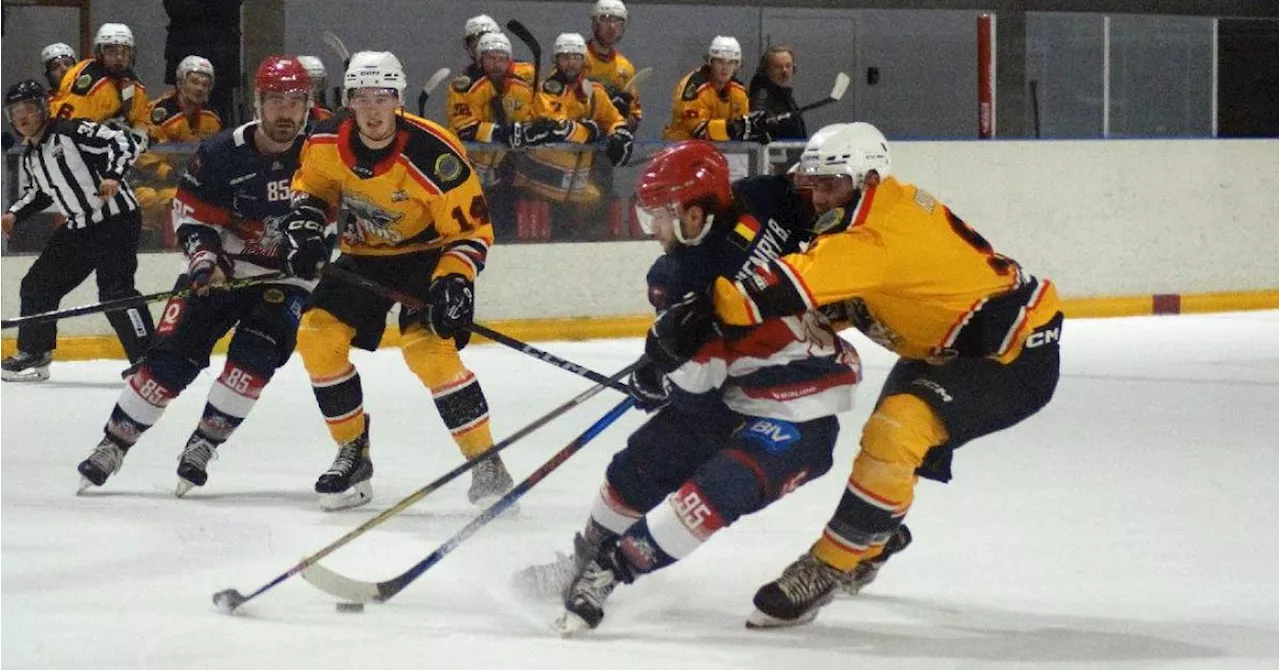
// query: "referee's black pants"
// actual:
[[109, 248]]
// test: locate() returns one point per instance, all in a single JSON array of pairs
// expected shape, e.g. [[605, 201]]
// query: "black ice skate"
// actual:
[[346, 483], [865, 572], [584, 598], [489, 481], [805, 587], [550, 580], [26, 367], [105, 461], [193, 464]]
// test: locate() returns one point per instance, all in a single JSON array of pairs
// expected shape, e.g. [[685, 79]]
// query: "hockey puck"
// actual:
[[350, 608]]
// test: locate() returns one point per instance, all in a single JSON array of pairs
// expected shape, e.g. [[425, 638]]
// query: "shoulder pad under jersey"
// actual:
[[86, 77]]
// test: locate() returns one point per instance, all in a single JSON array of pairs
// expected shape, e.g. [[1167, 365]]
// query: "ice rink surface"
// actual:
[[1132, 523]]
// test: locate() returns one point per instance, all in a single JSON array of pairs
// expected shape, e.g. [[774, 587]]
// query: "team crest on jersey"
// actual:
[[82, 82], [447, 167], [399, 196], [829, 221], [553, 87], [690, 91], [273, 295], [461, 84], [366, 222], [158, 114]]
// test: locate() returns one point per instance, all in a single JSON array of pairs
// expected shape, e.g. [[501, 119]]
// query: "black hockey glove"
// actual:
[[621, 144], [680, 331], [649, 387], [557, 131], [514, 135], [754, 127], [304, 248], [622, 101], [531, 134], [451, 305]]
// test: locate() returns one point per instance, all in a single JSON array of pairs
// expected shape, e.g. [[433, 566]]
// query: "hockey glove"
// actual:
[[530, 134], [304, 248], [622, 101], [451, 305], [206, 268], [649, 388], [621, 144], [555, 130], [754, 127], [680, 331]]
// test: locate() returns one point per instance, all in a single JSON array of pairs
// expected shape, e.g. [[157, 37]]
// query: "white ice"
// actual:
[[1133, 523]]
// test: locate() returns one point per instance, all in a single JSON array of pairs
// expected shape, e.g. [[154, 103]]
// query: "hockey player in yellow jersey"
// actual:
[[58, 59], [606, 65], [976, 335], [476, 27], [711, 104], [493, 108], [104, 88], [571, 109], [415, 220]]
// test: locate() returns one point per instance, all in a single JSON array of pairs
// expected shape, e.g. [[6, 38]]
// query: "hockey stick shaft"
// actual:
[[352, 590], [524, 35], [432, 82], [505, 340], [235, 599], [125, 303]]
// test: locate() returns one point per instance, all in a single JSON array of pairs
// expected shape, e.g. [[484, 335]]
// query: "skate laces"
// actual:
[[807, 579], [348, 456], [199, 452], [594, 584], [107, 457]]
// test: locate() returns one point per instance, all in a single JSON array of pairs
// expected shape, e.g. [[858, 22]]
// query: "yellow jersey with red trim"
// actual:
[[699, 111], [318, 113], [475, 107], [613, 71], [910, 274], [170, 122], [417, 194], [565, 175], [89, 92]]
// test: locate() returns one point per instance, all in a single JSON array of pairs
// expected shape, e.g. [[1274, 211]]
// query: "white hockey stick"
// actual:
[[637, 79], [432, 82], [334, 42]]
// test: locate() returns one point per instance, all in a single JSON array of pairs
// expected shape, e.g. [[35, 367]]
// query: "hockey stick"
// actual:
[[520, 31], [432, 83], [505, 340], [356, 591], [229, 599], [637, 79], [837, 92], [334, 42], [125, 303]]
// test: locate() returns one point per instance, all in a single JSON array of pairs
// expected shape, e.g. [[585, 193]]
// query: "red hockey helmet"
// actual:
[[693, 172], [281, 74]]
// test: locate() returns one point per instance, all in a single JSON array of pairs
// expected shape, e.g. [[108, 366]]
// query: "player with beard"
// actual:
[[104, 88], [227, 211]]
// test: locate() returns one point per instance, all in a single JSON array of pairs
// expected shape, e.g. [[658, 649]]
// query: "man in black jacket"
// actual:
[[771, 91], [209, 29]]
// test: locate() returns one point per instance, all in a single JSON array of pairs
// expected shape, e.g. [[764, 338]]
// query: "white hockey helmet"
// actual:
[[479, 25], [193, 65], [852, 149], [56, 50], [609, 8], [570, 43], [374, 69], [315, 70], [113, 33], [724, 47], [494, 42]]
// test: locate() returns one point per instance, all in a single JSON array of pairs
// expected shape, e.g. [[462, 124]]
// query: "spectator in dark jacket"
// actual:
[[771, 91], [209, 28]]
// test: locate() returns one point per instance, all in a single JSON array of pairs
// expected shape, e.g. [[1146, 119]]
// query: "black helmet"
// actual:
[[24, 90]]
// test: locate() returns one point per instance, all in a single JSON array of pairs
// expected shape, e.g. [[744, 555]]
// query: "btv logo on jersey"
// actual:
[[775, 436]]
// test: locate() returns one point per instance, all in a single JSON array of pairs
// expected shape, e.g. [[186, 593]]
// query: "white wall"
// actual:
[[1102, 218]]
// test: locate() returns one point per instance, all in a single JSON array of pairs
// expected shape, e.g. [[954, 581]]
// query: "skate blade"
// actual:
[[569, 624], [182, 488], [33, 375], [85, 485], [758, 620], [359, 494]]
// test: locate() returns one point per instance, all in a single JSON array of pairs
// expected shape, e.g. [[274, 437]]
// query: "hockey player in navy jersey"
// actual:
[[748, 418], [226, 212]]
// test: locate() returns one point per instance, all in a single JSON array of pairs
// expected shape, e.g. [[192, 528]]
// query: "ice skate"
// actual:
[[865, 572], [549, 580], [193, 463], [105, 461], [489, 482], [26, 367], [805, 587], [346, 483], [584, 598]]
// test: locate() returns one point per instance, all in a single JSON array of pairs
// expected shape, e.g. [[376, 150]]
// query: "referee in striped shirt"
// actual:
[[79, 166]]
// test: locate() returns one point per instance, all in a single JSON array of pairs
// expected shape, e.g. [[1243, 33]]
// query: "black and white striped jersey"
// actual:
[[66, 167]]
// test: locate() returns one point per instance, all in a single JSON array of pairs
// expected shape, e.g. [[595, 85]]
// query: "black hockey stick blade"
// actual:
[[505, 340], [133, 301], [432, 82], [522, 33], [358, 591]]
